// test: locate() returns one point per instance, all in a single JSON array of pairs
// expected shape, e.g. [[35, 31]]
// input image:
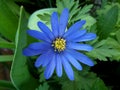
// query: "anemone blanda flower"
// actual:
[[60, 47]]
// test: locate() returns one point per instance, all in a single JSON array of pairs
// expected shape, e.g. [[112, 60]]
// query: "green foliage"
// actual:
[[8, 19], [107, 46], [104, 49], [83, 12], [6, 85], [43, 83], [20, 75], [42, 78], [5, 58], [76, 12], [107, 19], [118, 36], [43, 87], [84, 81], [6, 44], [46, 17], [115, 45], [40, 15]]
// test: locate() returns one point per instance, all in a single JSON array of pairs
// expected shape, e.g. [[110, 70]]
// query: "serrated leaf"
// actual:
[[103, 53], [83, 11], [61, 4], [113, 43], [45, 17], [116, 46], [89, 21], [76, 13], [20, 76], [104, 49], [74, 9], [99, 85], [107, 21], [84, 81], [45, 86]]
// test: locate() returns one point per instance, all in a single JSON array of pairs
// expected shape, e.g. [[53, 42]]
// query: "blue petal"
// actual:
[[86, 37], [38, 35], [39, 45], [73, 61], [79, 46], [81, 57], [31, 52], [75, 27], [55, 24], [45, 30], [75, 35], [43, 59], [58, 65], [50, 69], [63, 21], [40, 60], [67, 68], [48, 58]]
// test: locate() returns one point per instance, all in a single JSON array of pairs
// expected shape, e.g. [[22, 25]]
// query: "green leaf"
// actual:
[[6, 58], [45, 17], [115, 45], [6, 85], [118, 36], [102, 53], [99, 85], [7, 45], [41, 77], [8, 19], [20, 74], [89, 21], [82, 12], [76, 12], [45, 86], [61, 4], [107, 21], [40, 15], [104, 49], [84, 81]]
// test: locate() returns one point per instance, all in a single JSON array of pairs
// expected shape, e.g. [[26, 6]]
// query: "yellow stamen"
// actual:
[[59, 44]]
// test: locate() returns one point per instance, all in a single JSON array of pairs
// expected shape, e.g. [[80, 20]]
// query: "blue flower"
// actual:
[[60, 48]]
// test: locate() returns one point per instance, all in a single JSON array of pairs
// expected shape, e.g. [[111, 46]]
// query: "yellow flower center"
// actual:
[[59, 44]]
